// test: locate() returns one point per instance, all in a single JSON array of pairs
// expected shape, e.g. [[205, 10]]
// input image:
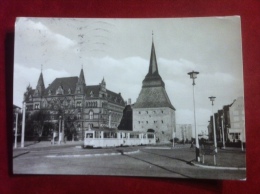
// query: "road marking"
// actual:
[[90, 155]]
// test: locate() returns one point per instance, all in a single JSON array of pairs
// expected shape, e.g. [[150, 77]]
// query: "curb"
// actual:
[[218, 167], [91, 155]]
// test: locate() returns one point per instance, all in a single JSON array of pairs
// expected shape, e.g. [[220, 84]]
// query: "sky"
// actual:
[[118, 50]]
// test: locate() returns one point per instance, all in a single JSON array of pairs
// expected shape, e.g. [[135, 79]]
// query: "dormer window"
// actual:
[[91, 94], [69, 91], [49, 92], [59, 91]]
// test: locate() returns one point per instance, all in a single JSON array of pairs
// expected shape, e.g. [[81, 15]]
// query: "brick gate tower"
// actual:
[[153, 110]]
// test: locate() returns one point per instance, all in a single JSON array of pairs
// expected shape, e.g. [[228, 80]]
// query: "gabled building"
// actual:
[[153, 110], [72, 99]]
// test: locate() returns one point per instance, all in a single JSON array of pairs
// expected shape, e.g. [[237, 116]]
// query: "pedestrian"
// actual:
[[191, 145]]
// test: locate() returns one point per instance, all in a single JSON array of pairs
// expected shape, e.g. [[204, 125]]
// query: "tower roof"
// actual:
[[81, 77], [153, 68], [40, 81], [153, 93], [153, 77]]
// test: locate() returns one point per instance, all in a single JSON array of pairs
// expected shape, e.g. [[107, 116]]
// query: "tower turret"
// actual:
[[39, 90]]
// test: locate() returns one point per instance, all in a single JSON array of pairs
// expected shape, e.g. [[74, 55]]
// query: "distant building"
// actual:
[[153, 110], [72, 99], [237, 121], [231, 121], [184, 132]]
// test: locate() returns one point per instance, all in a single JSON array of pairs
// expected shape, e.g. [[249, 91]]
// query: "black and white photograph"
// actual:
[[155, 97]]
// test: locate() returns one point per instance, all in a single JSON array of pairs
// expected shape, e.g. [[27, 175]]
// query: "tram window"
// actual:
[[150, 136], [89, 135]]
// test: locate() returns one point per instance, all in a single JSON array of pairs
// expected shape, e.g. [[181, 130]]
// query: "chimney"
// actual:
[[129, 101]]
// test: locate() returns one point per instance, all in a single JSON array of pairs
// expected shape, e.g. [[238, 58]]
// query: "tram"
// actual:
[[115, 138]]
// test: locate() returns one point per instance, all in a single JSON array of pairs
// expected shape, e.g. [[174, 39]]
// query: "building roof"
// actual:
[[66, 83], [153, 78], [153, 93]]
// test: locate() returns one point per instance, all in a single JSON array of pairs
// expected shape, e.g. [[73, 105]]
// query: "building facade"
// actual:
[[184, 132], [153, 110], [237, 121], [229, 122], [70, 98]]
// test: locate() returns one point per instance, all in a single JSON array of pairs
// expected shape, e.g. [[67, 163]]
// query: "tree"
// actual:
[[36, 122], [69, 128]]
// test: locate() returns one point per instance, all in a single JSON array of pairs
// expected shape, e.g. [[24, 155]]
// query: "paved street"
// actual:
[[156, 161]]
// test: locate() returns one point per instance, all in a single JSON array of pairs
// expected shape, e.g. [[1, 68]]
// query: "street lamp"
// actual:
[[193, 76], [23, 125], [60, 118], [223, 131], [212, 98], [109, 119], [17, 111]]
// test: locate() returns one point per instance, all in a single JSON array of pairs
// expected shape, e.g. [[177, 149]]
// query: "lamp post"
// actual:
[[193, 76], [109, 119], [223, 132], [60, 118], [16, 125], [212, 98], [23, 125]]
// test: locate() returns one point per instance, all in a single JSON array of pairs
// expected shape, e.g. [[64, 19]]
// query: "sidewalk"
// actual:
[[230, 159], [31, 145]]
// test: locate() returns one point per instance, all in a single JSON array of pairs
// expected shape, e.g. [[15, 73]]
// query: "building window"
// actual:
[[78, 103], [147, 122], [162, 121], [147, 112], [139, 112], [91, 114], [78, 116], [37, 106], [162, 111]]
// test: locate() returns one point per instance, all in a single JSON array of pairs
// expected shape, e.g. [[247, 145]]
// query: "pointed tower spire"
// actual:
[[81, 84], [40, 86], [153, 67], [81, 77], [153, 76]]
